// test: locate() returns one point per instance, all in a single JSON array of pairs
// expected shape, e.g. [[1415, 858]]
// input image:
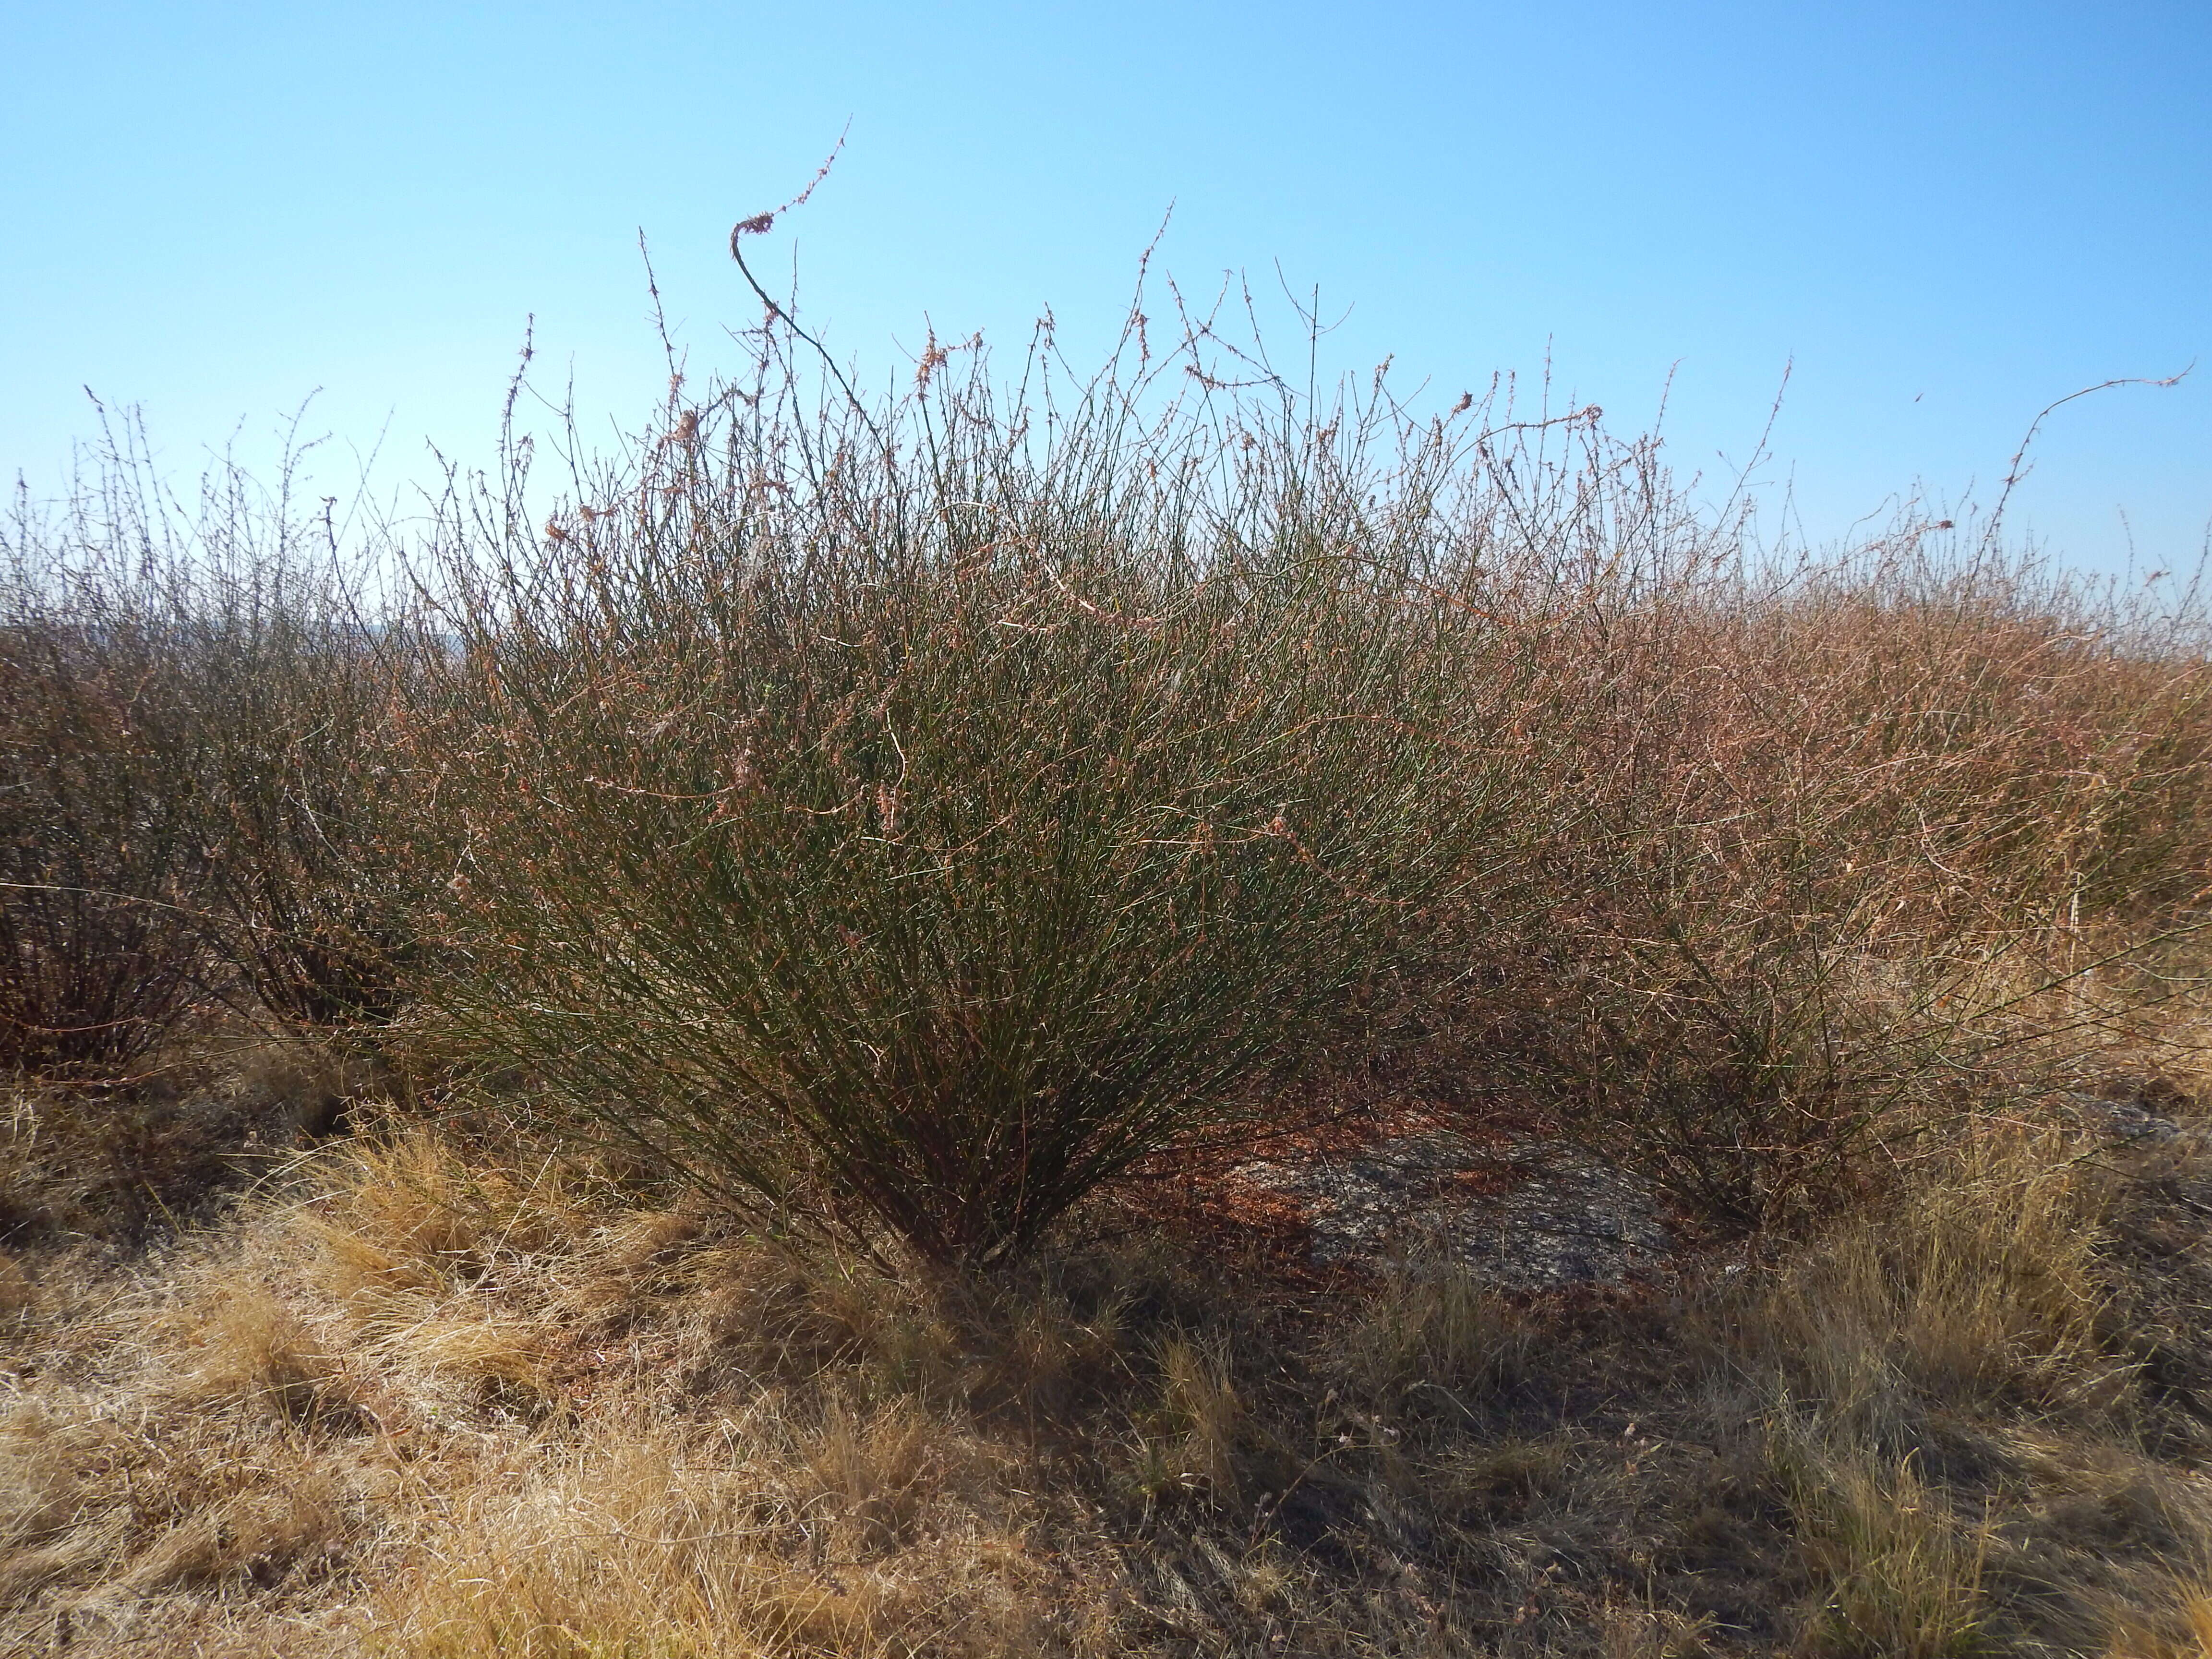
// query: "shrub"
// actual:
[[99, 944], [908, 816], [924, 811], [207, 787], [1834, 854], [314, 841], [930, 832]]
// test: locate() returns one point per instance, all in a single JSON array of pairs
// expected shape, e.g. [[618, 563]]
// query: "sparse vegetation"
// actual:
[[677, 1074]]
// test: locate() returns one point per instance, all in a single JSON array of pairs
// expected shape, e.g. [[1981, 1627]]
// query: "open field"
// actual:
[[1121, 1015]]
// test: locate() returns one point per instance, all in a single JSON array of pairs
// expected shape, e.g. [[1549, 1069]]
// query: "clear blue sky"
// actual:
[[1948, 213]]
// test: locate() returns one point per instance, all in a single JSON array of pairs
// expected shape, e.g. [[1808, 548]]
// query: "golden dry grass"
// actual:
[[453, 1395]]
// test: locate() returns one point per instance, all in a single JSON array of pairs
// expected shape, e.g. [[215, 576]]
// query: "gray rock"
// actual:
[[1562, 1218], [2127, 1121]]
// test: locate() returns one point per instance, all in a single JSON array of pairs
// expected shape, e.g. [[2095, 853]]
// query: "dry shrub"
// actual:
[[315, 804], [1842, 850], [205, 787], [100, 941]]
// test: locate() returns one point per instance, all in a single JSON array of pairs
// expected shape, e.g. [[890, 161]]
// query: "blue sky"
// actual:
[[1946, 214]]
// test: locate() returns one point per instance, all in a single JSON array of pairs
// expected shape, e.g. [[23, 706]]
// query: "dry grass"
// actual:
[[1898, 1574], [464, 1394], [1988, 1291]]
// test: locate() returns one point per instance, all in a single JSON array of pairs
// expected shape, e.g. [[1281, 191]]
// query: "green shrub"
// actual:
[[914, 816], [926, 837]]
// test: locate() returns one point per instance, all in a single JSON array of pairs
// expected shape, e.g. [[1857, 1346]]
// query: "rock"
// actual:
[[2130, 1122], [1530, 1216]]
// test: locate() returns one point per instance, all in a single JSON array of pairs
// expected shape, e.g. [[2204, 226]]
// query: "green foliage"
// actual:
[[931, 843]]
